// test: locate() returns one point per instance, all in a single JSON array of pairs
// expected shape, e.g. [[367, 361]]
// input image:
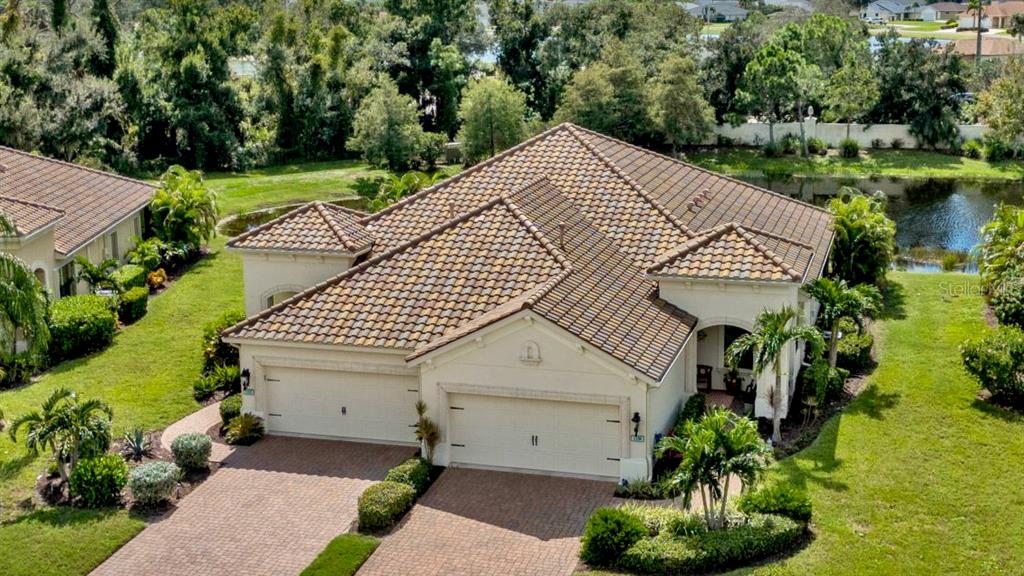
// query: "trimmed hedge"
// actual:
[[80, 325], [383, 504], [849, 148], [192, 451], [129, 276], [153, 482], [610, 532], [854, 348], [98, 481], [133, 304], [230, 408], [760, 537], [415, 472], [780, 499], [1008, 301], [996, 361]]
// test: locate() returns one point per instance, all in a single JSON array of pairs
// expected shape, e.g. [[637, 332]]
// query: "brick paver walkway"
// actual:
[[269, 510], [199, 421], [485, 523]]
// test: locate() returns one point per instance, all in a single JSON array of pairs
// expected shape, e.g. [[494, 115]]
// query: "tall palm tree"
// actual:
[[978, 7], [772, 334], [67, 427], [23, 304], [838, 301]]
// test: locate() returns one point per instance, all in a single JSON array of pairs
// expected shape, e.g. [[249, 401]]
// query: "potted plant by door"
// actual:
[[733, 382]]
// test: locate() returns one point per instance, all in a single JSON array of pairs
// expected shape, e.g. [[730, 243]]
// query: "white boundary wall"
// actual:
[[756, 133]]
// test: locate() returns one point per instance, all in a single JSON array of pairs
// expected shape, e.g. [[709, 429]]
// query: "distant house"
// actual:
[[717, 10], [886, 10], [942, 11], [1000, 13], [992, 48], [61, 211]]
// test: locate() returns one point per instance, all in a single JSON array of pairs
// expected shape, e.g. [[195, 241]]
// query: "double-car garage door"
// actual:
[[356, 405]]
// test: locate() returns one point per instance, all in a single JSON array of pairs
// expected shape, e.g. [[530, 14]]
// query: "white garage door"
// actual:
[[544, 435], [341, 404]]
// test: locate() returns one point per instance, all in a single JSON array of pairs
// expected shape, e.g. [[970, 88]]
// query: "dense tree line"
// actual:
[[138, 85]]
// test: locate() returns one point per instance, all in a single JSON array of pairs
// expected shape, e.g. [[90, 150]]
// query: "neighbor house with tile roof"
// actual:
[[553, 306], [60, 211]]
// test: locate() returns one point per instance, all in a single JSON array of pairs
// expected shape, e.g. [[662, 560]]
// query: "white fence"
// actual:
[[756, 133]]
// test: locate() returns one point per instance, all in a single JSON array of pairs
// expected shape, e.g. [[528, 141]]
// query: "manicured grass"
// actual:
[[343, 556], [915, 29], [287, 184], [146, 376], [900, 163]]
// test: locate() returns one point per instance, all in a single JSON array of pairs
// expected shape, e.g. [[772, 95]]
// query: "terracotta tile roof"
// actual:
[[1005, 8], [92, 201], [989, 47], [28, 217], [729, 252], [315, 227]]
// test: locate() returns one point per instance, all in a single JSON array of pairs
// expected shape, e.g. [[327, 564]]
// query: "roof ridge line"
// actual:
[[746, 235], [79, 166], [706, 171], [764, 232], [266, 225], [465, 173], [330, 224], [31, 203], [696, 242], [532, 227], [632, 184]]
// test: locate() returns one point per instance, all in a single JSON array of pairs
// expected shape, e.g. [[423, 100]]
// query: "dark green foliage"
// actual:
[[817, 146], [972, 149], [382, 504], [1008, 300], [865, 239], [415, 472], [215, 350], [104, 22], [192, 451], [647, 490], [996, 361], [230, 408], [129, 276], [790, 144], [80, 325], [244, 430], [132, 304], [996, 150], [692, 410], [824, 381], [781, 499], [136, 444], [773, 150], [16, 368], [432, 149], [849, 148], [610, 532], [854, 347], [343, 556], [97, 482]]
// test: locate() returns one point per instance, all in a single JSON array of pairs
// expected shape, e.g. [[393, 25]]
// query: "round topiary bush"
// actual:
[[132, 305], [80, 325], [153, 482], [97, 482], [192, 451], [383, 503], [414, 472], [849, 148], [1008, 301], [230, 408], [609, 533]]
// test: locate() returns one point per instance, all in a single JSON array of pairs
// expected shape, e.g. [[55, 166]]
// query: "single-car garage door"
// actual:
[[542, 435], [354, 405]]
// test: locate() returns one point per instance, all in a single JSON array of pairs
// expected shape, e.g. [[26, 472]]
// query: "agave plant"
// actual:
[[136, 444]]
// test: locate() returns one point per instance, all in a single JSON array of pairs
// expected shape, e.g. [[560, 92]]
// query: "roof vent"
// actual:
[[700, 200], [561, 235]]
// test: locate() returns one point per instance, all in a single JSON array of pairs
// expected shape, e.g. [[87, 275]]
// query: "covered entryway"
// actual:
[[535, 434], [341, 404]]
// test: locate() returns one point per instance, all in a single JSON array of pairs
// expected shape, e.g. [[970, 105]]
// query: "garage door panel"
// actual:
[[341, 404]]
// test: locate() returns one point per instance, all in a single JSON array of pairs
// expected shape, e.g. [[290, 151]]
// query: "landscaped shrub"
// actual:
[[415, 472], [156, 278], [826, 382], [716, 550], [817, 146], [781, 499], [609, 533], [849, 148], [645, 490], [382, 504], [1008, 300], [97, 482], [80, 325], [244, 429], [790, 144], [192, 451], [230, 408], [693, 409], [657, 519], [854, 347], [996, 360], [997, 150], [215, 350], [220, 378], [877, 143], [153, 482], [203, 388], [132, 305], [772, 150], [146, 253], [972, 149], [17, 368], [897, 143], [129, 276]]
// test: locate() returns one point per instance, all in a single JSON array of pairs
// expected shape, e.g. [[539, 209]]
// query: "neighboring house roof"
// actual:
[[989, 47], [891, 6], [1000, 9], [946, 7], [28, 217], [92, 201], [730, 252], [565, 225], [316, 227]]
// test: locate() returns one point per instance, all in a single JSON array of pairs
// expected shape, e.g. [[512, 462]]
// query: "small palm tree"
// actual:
[[183, 208], [839, 301], [66, 427], [769, 341], [719, 445], [98, 276], [23, 305], [427, 431]]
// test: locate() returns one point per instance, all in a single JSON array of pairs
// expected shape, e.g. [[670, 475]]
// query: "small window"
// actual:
[[137, 226], [114, 251], [278, 298], [68, 286]]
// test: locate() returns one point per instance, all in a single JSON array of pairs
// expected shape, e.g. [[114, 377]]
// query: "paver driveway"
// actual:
[[485, 523], [269, 510]]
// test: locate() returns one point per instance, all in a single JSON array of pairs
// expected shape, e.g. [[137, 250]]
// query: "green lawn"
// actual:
[[146, 376], [343, 556], [715, 27], [916, 29], [900, 163]]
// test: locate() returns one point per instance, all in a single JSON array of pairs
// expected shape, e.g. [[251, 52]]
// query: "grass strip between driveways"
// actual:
[[343, 556]]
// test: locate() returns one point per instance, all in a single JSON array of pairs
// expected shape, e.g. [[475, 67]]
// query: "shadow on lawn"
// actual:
[[65, 516], [873, 403], [989, 408], [894, 300]]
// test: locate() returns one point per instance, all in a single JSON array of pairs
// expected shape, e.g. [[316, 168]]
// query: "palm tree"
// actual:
[[183, 208], [98, 275], [23, 304], [839, 301], [6, 226], [719, 445], [67, 427], [977, 6], [769, 341]]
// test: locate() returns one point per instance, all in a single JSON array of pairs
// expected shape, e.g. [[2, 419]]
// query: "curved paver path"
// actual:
[[198, 421]]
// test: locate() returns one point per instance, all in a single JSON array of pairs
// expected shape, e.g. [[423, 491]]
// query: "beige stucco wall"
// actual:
[[665, 400], [266, 274], [100, 248]]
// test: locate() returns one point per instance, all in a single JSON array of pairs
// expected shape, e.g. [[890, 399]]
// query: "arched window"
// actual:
[[276, 299], [41, 276]]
